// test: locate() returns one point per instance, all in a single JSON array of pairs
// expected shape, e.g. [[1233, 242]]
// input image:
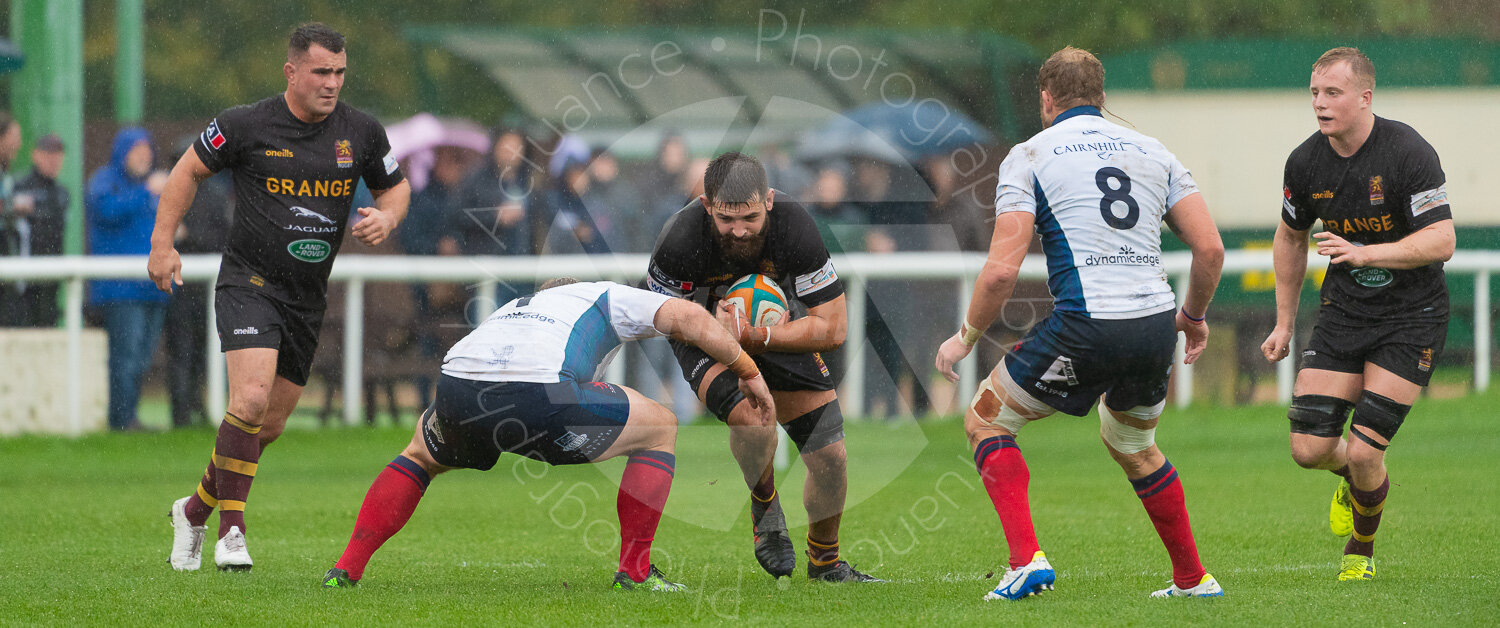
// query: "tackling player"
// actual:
[[526, 382], [1387, 229], [295, 157], [739, 226], [1098, 194]]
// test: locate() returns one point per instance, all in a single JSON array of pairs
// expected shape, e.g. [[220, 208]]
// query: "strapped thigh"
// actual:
[[986, 401], [817, 429], [1381, 415], [1318, 415]]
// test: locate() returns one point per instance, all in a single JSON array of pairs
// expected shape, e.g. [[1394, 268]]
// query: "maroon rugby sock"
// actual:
[[387, 506], [1006, 477], [202, 502], [1165, 502], [1367, 508], [643, 494], [236, 457]]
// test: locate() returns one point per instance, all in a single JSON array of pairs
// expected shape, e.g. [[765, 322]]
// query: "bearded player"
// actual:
[[740, 226]]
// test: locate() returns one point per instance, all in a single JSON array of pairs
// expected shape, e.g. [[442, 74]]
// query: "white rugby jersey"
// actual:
[[565, 333], [1099, 192]]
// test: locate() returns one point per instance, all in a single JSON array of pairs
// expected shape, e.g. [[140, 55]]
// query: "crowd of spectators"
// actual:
[[524, 196]]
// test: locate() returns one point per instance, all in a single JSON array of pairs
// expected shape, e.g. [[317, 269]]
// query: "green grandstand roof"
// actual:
[[598, 77]]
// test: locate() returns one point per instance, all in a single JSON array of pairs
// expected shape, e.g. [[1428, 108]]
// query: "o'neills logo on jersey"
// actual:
[[285, 152], [1125, 256], [343, 153], [310, 251]]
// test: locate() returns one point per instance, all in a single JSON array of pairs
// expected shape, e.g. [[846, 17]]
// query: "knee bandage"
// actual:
[[1021, 409], [723, 395], [1381, 415], [1318, 415], [817, 429], [1125, 438]]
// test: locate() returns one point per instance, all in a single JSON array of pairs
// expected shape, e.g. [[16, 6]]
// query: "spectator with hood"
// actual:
[[121, 205]]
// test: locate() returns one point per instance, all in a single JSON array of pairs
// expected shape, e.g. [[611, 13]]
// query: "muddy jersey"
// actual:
[[687, 262], [1392, 187], [293, 186]]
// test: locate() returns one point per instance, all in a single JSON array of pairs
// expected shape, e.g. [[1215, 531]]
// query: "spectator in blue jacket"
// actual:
[[121, 204]]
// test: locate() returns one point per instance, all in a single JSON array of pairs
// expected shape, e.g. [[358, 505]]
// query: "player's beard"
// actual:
[[741, 251]]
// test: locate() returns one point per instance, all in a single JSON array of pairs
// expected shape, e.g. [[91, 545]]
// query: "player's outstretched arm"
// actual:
[[1289, 258], [1430, 245], [379, 221], [687, 322], [164, 266], [1013, 232], [1190, 220]]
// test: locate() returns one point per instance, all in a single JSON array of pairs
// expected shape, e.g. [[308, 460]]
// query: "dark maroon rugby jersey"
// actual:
[[293, 186], [687, 262], [1392, 187]]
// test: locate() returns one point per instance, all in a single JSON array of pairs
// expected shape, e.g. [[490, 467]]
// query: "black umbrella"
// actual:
[[893, 133]]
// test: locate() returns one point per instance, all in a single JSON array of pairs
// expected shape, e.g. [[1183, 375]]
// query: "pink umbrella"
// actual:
[[413, 139]]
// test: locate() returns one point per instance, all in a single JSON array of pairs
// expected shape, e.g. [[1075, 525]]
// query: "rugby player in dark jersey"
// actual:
[[1387, 229], [737, 227], [296, 158]]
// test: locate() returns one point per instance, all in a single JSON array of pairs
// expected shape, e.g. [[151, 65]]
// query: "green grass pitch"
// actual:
[[84, 536]]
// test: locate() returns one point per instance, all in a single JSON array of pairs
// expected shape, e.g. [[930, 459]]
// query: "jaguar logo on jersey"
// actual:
[[310, 251], [1370, 277], [1377, 190], [303, 212], [343, 153]]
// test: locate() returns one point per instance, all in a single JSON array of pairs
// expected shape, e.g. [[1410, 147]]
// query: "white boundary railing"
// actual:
[[488, 272]]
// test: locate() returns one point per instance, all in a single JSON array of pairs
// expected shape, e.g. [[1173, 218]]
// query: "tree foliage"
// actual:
[[201, 57]]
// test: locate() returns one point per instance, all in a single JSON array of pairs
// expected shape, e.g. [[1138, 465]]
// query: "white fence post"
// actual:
[[218, 397], [354, 349], [1184, 384], [75, 355], [853, 398], [968, 369], [1482, 330]]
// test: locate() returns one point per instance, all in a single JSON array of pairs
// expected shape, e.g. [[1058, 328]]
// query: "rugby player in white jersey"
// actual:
[[526, 382], [1098, 194]]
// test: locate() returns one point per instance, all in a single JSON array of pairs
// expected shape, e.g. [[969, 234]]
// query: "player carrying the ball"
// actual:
[[526, 382], [1098, 193], [738, 227]]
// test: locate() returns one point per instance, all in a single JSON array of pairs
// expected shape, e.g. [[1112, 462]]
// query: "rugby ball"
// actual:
[[758, 299]]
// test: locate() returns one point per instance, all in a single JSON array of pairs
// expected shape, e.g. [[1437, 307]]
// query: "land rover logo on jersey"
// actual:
[[343, 153], [310, 251], [1372, 277]]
